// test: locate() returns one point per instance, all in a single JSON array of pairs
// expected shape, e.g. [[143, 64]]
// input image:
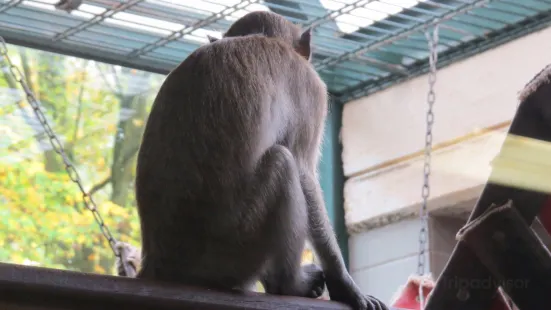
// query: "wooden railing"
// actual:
[[32, 288]]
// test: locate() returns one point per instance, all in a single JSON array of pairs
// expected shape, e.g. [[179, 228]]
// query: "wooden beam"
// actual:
[[33, 288], [516, 257]]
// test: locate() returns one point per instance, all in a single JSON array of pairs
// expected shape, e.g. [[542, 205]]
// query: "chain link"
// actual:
[[432, 39], [58, 147]]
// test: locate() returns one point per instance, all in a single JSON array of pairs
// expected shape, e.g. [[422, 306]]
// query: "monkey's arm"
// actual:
[[340, 285]]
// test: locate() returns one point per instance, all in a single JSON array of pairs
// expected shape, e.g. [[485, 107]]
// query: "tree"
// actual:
[[99, 121]]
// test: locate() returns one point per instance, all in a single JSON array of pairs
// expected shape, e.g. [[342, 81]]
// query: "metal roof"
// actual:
[[359, 45]]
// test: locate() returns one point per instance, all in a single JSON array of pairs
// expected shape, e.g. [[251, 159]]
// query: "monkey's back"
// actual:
[[213, 118]]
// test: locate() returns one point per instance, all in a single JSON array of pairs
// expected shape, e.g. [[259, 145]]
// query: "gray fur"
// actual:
[[227, 183], [129, 261], [542, 78]]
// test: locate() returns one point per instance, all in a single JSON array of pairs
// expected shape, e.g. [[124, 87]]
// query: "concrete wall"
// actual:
[[475, 93], [472, 95], [382, 259], [387, 195]]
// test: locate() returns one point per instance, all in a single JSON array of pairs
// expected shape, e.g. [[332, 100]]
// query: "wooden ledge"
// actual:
[[32, 288]]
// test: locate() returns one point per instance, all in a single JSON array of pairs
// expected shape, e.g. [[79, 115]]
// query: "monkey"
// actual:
[[227, 185]]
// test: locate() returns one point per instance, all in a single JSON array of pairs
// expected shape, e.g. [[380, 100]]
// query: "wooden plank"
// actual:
[[516, 257], [540, 230], [33, 288], [523, 163], [532, 120]]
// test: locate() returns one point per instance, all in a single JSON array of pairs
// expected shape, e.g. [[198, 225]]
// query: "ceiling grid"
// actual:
[[360, 46]]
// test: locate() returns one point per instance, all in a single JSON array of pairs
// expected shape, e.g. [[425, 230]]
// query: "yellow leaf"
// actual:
[[307, 256], [13, 223], [16, 257], [81, 239], [111, 128], [69, 200], [99, 269]]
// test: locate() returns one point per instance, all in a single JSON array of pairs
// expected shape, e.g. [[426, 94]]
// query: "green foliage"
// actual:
[[98, 111], [43, 221]]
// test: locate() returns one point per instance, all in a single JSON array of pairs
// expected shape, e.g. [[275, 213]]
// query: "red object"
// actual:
[[545, 215], [408, 298]]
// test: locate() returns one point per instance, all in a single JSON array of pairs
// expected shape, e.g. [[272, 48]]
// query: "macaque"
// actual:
[[227, 185]]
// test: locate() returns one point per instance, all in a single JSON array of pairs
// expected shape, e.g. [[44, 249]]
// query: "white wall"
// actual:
[[382, 259], [458, 173], [473, 94]]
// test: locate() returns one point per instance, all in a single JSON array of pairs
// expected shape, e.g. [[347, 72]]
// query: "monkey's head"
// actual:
[[272, 25]]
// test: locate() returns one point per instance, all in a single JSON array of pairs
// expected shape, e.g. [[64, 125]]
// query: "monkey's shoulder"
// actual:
[[245, 51], [251, 41], [254, 60]]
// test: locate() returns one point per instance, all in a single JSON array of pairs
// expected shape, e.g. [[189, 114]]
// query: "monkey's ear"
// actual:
[[303, 45], [212, 39]]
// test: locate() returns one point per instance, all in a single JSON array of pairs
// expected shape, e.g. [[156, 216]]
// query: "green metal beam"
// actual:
[[475, 47], [332, 177]]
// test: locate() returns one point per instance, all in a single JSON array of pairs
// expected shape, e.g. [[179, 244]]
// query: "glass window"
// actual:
[[98, 113]]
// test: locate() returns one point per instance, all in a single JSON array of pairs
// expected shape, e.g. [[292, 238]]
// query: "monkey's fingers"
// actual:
[[375, 304]]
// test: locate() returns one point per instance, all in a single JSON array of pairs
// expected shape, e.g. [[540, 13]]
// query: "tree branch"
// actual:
[[27, 116], [128, 156], [117, 88], [105, 80], [100, 185], [89, 134], [84, 77], [117, 80], [26, 68]]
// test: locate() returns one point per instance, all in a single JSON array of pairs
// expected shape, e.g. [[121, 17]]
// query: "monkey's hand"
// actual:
[[346, 291], [129, 261], [316, 278]]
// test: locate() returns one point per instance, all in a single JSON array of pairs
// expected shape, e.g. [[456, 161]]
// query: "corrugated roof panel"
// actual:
[[359, 45]]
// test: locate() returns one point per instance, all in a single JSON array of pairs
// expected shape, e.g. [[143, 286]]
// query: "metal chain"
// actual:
[[425, 192], [58, 148]]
